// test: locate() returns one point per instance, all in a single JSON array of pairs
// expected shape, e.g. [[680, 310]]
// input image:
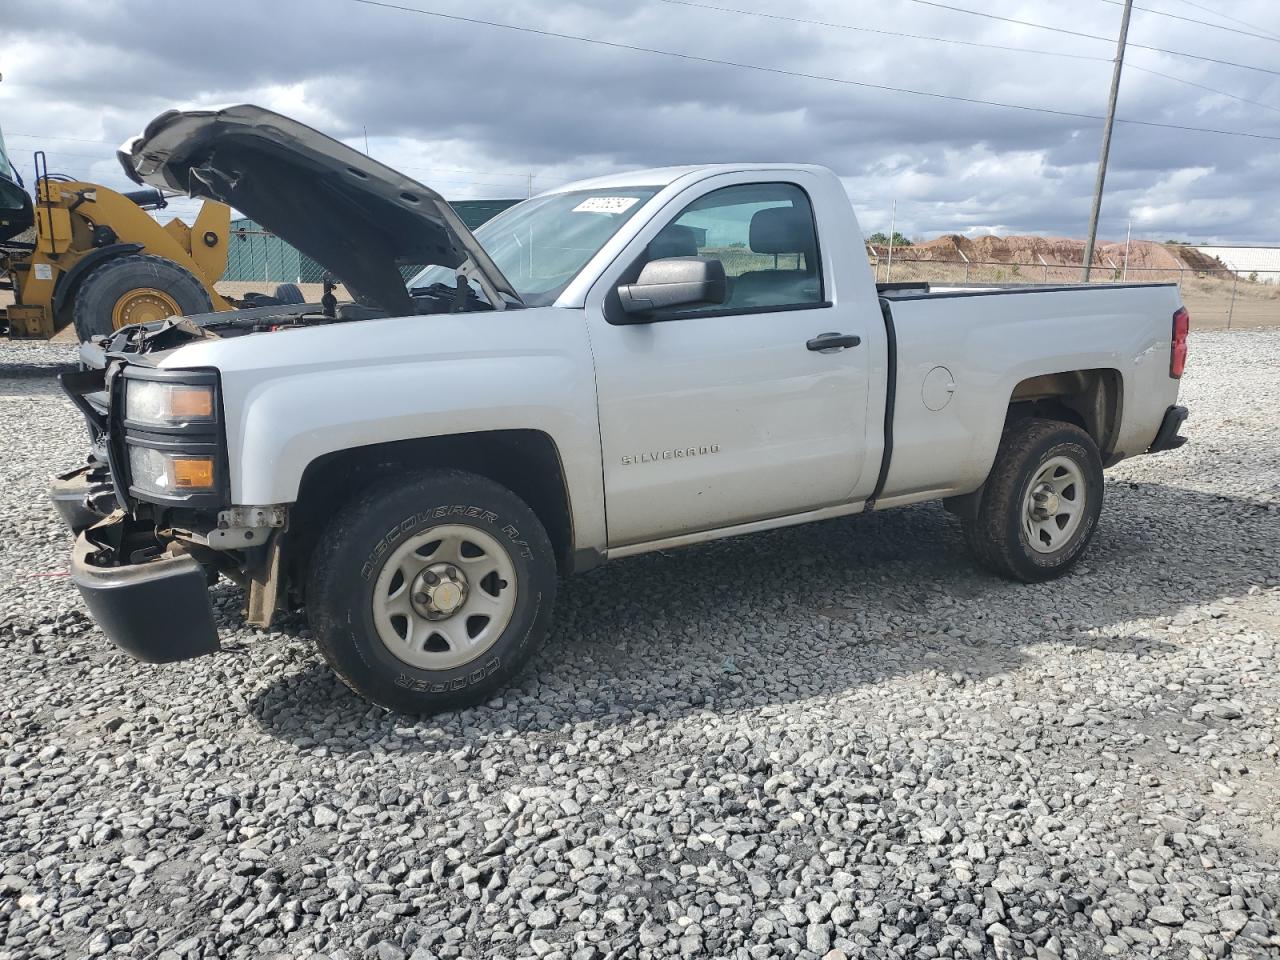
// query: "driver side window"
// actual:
[[763, 234]]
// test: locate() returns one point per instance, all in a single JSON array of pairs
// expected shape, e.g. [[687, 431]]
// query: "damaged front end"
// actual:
[[151, 603], [151, 512]]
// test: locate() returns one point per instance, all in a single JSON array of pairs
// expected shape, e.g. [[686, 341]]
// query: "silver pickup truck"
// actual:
[[627, 364]]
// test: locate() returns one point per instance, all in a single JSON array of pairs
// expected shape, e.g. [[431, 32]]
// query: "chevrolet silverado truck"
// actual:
[[626, 364]]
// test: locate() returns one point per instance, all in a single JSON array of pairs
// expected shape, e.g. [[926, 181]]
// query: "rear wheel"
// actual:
[[138, 288], [1040, 506], [430, 593]]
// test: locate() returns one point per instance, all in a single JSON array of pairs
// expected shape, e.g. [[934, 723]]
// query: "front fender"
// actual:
[[292, 397], [288, 424]]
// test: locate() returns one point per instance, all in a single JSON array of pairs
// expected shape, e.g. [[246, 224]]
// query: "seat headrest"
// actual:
[[675, 240], [781, 230]]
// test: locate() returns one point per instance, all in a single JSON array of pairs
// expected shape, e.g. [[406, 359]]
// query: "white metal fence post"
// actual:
[[893, 223], [1127, 234]]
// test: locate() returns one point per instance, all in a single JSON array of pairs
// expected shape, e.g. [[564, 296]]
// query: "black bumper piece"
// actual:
[[157, 611], [1167, 438], [70, 494]]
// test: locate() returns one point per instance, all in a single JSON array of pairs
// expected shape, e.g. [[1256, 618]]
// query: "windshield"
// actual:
[[541, 244]]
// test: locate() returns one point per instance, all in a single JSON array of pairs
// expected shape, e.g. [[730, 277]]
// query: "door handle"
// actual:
[[833, 341]]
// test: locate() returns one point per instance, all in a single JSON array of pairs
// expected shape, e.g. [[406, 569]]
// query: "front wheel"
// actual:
[[1040, 506], [430, 593]]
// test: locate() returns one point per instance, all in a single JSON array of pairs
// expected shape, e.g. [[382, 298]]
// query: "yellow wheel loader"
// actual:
[[98, 260]]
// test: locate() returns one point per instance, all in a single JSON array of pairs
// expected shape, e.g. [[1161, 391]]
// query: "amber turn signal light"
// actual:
[[193, 473], [187, 403]]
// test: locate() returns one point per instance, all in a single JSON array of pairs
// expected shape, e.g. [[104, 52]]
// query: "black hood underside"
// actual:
[[336, 223]]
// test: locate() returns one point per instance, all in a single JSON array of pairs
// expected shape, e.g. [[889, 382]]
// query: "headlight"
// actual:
[[163, 404], [170, 436], [167, 474]]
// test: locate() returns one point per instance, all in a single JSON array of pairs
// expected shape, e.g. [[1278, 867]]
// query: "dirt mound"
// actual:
[[1056, 252]]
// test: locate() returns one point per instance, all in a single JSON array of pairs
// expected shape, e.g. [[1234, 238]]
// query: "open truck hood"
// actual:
[[357, 218]]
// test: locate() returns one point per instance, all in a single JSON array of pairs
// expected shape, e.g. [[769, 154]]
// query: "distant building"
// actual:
[[255, 255]]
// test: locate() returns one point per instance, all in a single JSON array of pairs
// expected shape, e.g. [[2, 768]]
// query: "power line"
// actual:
[[33, 136], [450, 180], [101, 158], [1192, 83], [778, 71], [1202, 23], [1014, 20], [886, 33], [970, 43], [483, 173], [1223, 16], [455, 180], [1088, 36]]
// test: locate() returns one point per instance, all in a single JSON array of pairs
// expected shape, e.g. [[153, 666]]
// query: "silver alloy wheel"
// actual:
[[1054, 505], [444, 597]]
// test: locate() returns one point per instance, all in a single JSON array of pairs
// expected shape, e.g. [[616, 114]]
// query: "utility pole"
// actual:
[[1106, 140]]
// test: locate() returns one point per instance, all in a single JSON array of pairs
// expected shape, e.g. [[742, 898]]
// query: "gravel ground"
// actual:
[[830, 741]]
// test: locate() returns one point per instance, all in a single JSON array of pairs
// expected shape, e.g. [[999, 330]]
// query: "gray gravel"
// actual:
[[834, 741]]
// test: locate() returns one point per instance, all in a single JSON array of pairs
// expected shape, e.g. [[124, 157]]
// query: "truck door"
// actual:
[[729, 413]]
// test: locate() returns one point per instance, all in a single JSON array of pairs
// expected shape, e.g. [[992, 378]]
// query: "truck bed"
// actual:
[[958, 354]]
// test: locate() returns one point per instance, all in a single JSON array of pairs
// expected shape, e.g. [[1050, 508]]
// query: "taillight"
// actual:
[[1178, 352]]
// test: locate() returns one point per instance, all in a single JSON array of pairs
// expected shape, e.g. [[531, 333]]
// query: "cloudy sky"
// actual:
[[476, 110]]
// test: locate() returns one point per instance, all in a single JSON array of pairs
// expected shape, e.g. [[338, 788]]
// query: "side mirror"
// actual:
[[674, 282]]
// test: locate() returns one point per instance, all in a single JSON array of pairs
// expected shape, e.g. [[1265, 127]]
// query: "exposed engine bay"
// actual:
[[272, 317]]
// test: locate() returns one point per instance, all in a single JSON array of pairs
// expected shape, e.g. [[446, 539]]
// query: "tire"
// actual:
[[1024, 538], [103, 296], [405, 661], [288, 293]]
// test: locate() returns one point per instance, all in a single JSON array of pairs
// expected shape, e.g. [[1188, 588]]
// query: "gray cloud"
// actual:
[[474, 110]]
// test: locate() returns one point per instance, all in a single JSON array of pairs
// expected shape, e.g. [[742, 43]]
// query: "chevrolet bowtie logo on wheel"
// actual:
[[677, 453]]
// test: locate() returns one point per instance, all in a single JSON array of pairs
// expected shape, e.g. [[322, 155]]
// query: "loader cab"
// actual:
[[15, 203]]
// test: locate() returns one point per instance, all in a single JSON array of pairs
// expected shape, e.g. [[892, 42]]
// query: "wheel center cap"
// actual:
[[439, 591], [446, 596], [1046, 504]]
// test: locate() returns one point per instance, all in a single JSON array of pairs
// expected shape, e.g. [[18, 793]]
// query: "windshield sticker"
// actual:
[[606, 204]]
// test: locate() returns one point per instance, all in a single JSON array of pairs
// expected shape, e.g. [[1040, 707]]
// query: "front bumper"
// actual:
[[1167, 438], [157, 611]]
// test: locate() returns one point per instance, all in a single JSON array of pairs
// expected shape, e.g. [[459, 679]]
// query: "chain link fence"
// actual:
[[256, 256], [1217, 296]]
